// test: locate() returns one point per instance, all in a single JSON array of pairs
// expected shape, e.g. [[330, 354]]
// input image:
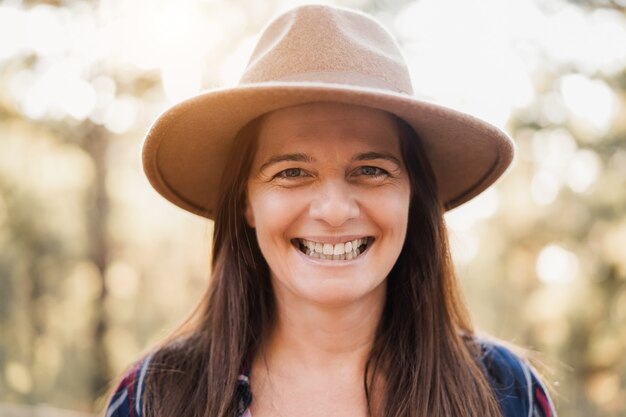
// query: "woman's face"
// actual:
[[328, 195]]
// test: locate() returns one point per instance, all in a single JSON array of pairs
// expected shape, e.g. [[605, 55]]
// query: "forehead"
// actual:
[[328, 126]]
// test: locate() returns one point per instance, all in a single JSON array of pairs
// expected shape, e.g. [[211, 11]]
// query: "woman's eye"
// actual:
[[290, 173], [372, 171]]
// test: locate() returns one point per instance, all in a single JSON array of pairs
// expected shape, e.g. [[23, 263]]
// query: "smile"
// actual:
[[339, 251]]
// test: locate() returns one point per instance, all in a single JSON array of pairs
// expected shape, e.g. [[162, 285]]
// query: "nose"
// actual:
[[334, 203]]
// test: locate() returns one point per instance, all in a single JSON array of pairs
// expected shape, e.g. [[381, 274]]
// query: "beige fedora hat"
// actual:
[[308, 54]]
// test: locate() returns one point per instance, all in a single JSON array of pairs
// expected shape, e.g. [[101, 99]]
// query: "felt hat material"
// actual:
[[310, 54]]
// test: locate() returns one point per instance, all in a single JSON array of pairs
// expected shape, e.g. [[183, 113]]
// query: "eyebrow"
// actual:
[[302, 157], [370, 156], [297, 157]]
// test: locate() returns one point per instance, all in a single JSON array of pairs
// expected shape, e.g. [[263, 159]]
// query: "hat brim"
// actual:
[[185, 151]]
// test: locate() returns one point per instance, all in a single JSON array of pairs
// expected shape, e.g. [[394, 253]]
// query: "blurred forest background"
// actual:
[[95, 266]]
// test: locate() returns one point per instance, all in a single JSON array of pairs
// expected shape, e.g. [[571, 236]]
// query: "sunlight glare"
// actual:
[[591, 101], [589, 41], [59, 91], [47, 35], [184, 37], [552, 109], [481, 207], [544, 187], [556, 265], [552, 149], [121, 114], [495, 77], [181, 78], [105, 89], [79, 99], [233, 66], [171, 23], [583, 170], [13, 30]]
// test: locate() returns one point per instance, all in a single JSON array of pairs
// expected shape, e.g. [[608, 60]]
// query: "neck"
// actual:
[[324, 338]]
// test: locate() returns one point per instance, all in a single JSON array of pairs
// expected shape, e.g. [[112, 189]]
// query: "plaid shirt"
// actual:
[[519, 391]]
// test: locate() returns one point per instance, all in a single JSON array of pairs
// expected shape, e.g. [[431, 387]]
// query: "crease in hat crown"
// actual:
[[317, 43]]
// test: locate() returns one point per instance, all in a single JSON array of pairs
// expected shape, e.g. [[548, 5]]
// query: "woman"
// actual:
[[332, 290]]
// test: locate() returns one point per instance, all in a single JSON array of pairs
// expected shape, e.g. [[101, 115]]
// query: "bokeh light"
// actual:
[[556, 265]]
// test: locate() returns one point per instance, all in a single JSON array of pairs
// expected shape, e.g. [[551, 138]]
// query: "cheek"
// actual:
[[392, 218], [396, 221], [275, 215], [273, 212], [391, 209]]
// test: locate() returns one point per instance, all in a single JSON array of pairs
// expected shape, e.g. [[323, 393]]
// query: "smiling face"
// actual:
[[328, 196]]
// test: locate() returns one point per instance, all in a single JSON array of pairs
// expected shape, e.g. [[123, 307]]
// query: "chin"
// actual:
[[340, 293]]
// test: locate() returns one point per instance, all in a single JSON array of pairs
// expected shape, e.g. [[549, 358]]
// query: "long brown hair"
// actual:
[[424, 341]]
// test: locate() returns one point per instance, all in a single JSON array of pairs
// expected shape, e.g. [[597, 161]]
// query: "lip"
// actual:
[[332, 239]]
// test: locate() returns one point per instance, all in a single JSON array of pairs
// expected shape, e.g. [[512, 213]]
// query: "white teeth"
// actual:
[[340, 251], [318, 247]]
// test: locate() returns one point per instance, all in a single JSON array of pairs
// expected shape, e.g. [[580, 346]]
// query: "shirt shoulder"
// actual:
[[517, 385], [127, 400]]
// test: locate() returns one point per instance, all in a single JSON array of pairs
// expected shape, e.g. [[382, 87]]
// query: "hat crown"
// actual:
[[330, 45]]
